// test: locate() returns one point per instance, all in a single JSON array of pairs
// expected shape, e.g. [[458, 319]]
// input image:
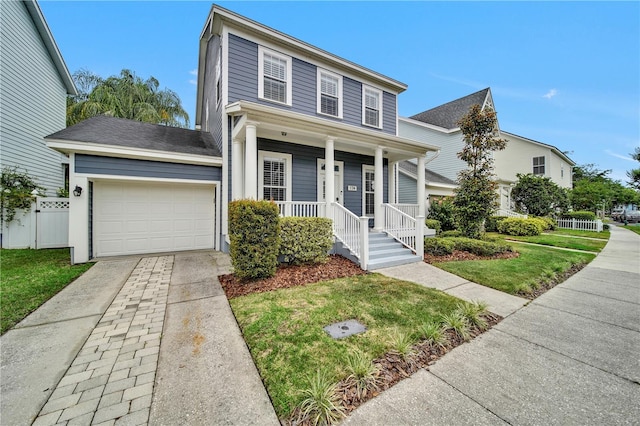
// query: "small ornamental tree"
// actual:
[[634, 174], [17, 192], [476, 197], [538, 195]]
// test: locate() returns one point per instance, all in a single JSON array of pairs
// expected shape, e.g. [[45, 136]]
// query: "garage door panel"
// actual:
[[142, 217]]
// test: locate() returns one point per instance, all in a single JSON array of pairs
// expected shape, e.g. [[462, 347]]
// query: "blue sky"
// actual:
[[562, 73]]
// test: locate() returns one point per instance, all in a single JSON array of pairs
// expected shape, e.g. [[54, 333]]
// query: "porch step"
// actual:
[[384, 252]]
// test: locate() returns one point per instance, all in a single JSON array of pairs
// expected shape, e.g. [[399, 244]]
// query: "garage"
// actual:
[[143, 217]]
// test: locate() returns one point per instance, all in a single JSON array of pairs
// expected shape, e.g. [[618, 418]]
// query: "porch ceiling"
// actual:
[[283, 125]]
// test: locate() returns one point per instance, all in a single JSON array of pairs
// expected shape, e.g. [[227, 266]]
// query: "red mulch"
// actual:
[[291, 276], [464, 255]]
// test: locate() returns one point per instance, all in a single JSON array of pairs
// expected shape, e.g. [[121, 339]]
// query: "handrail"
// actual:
[[407, 208], [301, 208], [347, 228], [403, 228], [510, 213]]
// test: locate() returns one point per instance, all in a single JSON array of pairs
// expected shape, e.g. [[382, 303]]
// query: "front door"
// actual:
[[337, 181]]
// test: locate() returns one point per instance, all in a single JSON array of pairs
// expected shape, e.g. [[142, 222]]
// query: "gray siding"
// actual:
[[407, 189], [305, 170], [243, 85], [32, 99], [92, 164], [213, 123]]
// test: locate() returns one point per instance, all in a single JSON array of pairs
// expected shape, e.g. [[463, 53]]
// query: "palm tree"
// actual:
[[126, 96]]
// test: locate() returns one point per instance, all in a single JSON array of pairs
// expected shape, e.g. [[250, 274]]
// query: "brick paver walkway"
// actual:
[[113, 375]]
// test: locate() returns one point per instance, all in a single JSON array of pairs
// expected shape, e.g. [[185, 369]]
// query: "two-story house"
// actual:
[[439, 126], [277, 119]]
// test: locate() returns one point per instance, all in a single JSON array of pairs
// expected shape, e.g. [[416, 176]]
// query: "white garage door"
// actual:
[[141, 217]]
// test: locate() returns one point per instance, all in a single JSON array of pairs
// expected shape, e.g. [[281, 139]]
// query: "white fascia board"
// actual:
[[125, 178], [427, 182], [427, 125], [340, 131], [545, 145], [68, 147], [241, 22]]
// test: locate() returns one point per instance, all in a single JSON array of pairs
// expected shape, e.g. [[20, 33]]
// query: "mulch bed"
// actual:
[[291, 276]]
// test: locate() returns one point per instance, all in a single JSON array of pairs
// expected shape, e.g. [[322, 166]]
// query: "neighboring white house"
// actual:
[[33, 91], [438, 126]]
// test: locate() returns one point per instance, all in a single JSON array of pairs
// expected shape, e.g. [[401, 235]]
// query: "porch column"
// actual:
[[329, 175], [237, 183], [251, 162], [421, 190], [378, 219], [392, 182]]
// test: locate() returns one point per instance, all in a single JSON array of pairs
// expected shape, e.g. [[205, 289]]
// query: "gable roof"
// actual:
[[47, 38], [546, 145], [121, 132], [430, 177], [448, 115]]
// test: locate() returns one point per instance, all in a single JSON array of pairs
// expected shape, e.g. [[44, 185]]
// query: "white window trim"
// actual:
[[380, 119], [288, 166], [366, 168], [261, 51], [320, 72], [218, 88]]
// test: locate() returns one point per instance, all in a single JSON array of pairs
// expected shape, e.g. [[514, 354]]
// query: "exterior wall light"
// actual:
[[77, 191]]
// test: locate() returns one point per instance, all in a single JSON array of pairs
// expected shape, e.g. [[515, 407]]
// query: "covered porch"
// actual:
[[284, 156]]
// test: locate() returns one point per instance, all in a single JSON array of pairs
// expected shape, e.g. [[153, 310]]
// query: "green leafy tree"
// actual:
[[593, 189], [124, 96], [16, 192], [538, 195], [634, 174], [476, 197]]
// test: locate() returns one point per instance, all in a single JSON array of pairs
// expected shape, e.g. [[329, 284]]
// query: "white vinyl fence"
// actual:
[[46, 225], [581, 224]]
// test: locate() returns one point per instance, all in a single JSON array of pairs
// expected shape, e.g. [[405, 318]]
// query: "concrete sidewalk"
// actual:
[[569, 357]]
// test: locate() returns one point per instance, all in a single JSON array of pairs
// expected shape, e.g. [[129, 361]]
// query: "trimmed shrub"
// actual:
[[305, 239], [452, 233], [491, 224], [605, 227], [438, 246], [441, 209], [480, 247], [520, 226], [549, 223], [581, 215], [433, 224], [254, 232]]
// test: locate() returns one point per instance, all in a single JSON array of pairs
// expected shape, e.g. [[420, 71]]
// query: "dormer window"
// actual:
[[371, 107], [274, 73], [329, 93]]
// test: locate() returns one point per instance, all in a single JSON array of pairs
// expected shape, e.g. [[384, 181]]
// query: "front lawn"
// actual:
[[634, 228], [535, 267], [559, 240], [28, 278], [284, 328], [576, 233]]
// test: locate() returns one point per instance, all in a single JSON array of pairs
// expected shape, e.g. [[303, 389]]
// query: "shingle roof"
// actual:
[[430, 176], [448, 115], [107, 130]]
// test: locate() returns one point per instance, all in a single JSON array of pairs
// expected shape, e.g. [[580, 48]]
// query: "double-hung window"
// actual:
[[274, 73], [371, 107], [329, 93], [368, 192], [538, 165], [274, 176]]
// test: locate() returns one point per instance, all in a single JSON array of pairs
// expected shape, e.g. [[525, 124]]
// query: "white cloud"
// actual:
[[550, 94], [193, 80], [623, 157]]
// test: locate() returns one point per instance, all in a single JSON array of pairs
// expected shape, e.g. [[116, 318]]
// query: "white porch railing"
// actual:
[[302, 208], [352, 231], [410, 209], [510, 213], [404, 228], [581, 224]]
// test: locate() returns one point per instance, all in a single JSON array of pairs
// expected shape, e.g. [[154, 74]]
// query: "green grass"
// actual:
[[634, 228], [284, 328], [534, 266], [558, 240], [574, 232], [28, 278]]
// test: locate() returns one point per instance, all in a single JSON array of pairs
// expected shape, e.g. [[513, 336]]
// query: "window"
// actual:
[[329, 93], [274, 73], [371, 107], [274, 176], [538, 165], [219, 77], [368, 203]]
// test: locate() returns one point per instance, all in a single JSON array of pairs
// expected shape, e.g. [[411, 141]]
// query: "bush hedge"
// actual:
[[549, 222], [451, 233], [433, 224], [491, 224], [438, 246], [521, 226], [254, 233], [305, 239], [582, 215]]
